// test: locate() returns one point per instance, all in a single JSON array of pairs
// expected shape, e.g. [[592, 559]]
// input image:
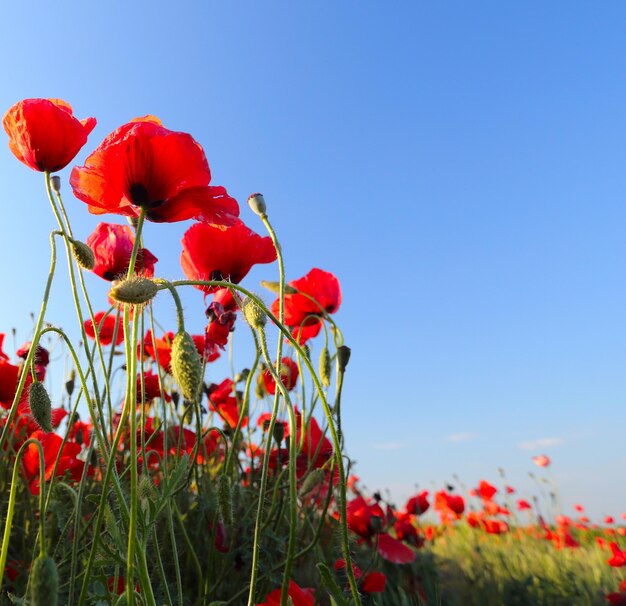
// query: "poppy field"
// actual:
[[151, 480]]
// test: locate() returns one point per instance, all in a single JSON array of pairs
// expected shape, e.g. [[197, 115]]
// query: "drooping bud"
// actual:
[[44, 582], [224, 499], [324, 366], [40, 406], [275, 287], [242, 376], [55, 183], [83, 254], [314, 478], [343, 357], [186, 365], [69, 384], [135, 291], [257, 203], [279, 432], [253, 314]]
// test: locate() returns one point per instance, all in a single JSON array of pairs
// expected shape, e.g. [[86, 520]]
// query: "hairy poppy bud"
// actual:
[[253, 314], [83, 254], [224, 499], [343, 357], [44, 582], [314, 478], [55, 182], [257, 203], [324, 366], [135, 291], [69, 384], [186, 365], [40, 406]]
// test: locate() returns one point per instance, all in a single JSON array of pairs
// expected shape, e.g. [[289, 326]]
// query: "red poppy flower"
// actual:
[[9, 374], [43, 133], [144, 165], [106, 327], [298, 595], [112, 247], [486, 491], [221, 313], [618, 598], [316, 446], [214, 253], [318, 292], [522, 505], [374, 582], [222, 401], [618, 559], [541, 460], [288, 376], [160, 350], [393, 550], [152, 388], [418, 504], [51, 444]]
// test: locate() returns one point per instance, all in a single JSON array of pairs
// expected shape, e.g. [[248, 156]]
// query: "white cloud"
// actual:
[[460, 437], [389, 446], [541, 443]]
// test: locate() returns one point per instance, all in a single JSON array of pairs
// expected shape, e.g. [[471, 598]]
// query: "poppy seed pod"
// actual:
[[44, 582], [83, 254], [253, 314], [135, 291], [186, 365], [40, 406], [279, 432], [55, 183], [324, 367], [257, 203]]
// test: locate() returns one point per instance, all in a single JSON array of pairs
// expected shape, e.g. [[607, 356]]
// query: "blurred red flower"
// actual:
[[541, 460], [106, 324], [288, 376], [43, 133], [418, 504], [486, 491], [112, 247], [319, 292], [298, 595], [211, 252], [522, 505], [618, 559], [144, 165]]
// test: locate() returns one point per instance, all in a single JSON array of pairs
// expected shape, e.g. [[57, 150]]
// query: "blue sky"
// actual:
[[460, 168]]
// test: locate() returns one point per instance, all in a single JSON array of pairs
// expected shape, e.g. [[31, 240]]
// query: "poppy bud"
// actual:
[[257, 203], [135, 291], [343, 357], [186, 365], [40, 406], [275, 287], [224, 499], [279, 432], [44, 582], [324, 366], [253, 314], [315, 478], [55, 182], [69, 384], [83, 254], [242, 376]]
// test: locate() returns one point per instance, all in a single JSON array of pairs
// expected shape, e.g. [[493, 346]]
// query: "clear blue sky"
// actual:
[[460, 167]]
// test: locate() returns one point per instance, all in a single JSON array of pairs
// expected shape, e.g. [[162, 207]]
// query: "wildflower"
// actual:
[[418, 504], [541, 460], [43, 133], [288, 376], [112, 246], [211, 252], [298, 595], [393, 550], [143, 165], [318, 292], [105, 324]]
